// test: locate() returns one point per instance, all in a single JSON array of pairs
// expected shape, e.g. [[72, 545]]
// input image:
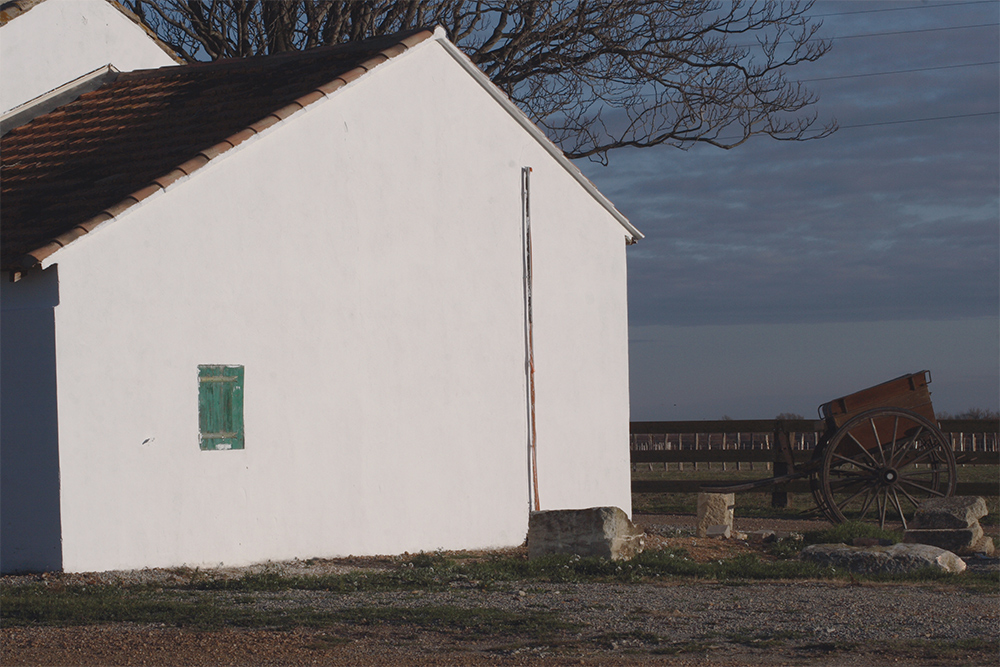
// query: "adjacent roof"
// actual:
[[11, 9], [14, 8], [66, 172]]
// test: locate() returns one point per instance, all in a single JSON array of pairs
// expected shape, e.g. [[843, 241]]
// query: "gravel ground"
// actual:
[[669, 622]]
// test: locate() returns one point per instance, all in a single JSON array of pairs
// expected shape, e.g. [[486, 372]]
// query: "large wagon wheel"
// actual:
[[881, 464]]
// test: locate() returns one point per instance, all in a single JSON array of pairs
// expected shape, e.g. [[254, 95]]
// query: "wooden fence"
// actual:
[[750, 445]]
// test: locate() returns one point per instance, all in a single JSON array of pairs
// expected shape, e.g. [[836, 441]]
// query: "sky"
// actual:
[[780, 275]]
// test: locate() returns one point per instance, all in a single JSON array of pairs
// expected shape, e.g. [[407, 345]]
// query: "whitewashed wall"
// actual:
[[60, 40], [362, 261]]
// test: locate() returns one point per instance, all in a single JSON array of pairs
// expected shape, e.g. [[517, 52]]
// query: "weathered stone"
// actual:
[[719, 532], [760, 536], [597, 531], [953, 540], [983, 547], [714, 509], [949, 513], [883, 560]]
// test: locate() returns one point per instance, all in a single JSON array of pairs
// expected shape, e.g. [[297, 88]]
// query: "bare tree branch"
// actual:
[[596, 75]]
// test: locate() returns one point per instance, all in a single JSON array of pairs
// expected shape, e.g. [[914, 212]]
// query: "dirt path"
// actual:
[[772, 623]]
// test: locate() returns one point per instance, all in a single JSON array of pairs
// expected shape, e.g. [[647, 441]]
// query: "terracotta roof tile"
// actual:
[[119, 144]]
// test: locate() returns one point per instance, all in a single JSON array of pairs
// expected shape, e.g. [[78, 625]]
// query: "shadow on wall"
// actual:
[[30, 531]]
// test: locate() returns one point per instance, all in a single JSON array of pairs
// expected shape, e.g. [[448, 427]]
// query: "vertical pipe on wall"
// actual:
[[529, 339]]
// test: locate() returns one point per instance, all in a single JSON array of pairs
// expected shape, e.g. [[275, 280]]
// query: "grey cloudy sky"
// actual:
[[779, 275]]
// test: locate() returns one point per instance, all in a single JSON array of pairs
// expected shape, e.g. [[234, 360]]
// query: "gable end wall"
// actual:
[[362, 261]]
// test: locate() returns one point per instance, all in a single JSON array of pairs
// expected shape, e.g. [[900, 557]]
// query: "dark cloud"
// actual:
[[890, 222]]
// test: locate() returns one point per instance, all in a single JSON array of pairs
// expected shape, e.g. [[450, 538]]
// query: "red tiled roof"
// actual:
[[13, 8], [69, 170]]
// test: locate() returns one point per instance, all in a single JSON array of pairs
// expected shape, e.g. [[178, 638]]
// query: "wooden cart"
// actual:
[[880, 456]]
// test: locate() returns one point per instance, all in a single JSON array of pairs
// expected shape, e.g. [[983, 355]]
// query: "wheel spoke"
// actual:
[[867, 504], [878, 441], [881, 509], [895, 433], [909, 497], [914, 461], [862, 448], [845, 502], [906, 446], [841, 472], [926, 489], [853, 462], [899, 508]]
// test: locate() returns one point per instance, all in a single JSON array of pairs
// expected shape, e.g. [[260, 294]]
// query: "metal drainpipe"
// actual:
[[529, 330]]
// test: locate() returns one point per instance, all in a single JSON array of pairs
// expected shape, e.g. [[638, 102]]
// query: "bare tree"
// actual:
[[594, 74]]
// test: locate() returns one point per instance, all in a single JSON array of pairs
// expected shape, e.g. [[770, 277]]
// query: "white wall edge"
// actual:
[[536, 133]]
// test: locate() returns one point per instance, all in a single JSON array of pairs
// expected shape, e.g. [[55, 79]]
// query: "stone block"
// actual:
[[719, 532], [956, 512], [883, 560], [714, 509], [955, 540], [598, 531], [983, 547]]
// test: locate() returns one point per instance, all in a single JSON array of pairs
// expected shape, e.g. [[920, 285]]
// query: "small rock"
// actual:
[[949, 513], [760, 536], [714, 509], [983, 547], [787, 535]]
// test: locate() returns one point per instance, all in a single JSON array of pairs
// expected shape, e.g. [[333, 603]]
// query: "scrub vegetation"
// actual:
[[209, 601]]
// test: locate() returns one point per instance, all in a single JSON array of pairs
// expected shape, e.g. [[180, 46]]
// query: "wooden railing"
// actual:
[[762, 444]]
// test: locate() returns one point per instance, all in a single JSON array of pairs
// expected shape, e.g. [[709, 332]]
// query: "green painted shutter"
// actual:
[[220, 407]]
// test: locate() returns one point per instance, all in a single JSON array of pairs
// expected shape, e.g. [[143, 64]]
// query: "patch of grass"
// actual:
[[784, 549], [478, 622], [940, 649], [973, 582], [36, 604], [828, 647], [764, 639], [844, 533], [613, 640], [678, 648]]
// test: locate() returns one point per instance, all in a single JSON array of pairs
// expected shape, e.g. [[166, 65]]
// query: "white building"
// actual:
[[44, 45], [276, 308]]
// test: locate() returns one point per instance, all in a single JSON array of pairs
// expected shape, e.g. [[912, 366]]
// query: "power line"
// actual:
[[894, 32], [903, 71], [911, 32], [900, 9], [919, 120]]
